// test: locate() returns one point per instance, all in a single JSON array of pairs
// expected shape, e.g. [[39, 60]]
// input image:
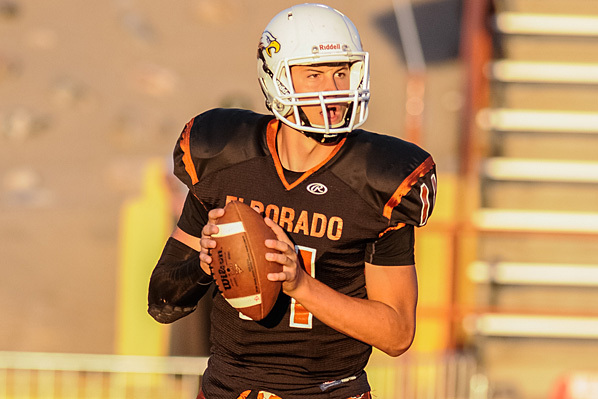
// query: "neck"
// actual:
[[298, 152]]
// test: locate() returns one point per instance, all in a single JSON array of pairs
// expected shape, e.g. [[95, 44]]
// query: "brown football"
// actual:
[[239, 265]]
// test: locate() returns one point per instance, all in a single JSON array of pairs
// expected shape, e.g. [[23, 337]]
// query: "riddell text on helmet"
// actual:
[[330, 46]]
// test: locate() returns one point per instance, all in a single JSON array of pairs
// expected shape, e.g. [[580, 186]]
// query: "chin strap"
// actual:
[[325, 138]]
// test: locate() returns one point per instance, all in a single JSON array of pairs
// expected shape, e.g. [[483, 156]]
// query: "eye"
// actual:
[[342, 74]]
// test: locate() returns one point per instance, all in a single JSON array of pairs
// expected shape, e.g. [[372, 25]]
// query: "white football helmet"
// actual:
[[310, 34]]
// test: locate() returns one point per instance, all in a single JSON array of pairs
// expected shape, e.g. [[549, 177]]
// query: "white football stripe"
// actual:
[[246, 301], [229, 229]]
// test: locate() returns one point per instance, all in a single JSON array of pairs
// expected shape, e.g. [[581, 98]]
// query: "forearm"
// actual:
[[373, 322], [177, 283]]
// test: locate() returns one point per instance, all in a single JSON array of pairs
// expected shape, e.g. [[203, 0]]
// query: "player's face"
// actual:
[[318, 78]]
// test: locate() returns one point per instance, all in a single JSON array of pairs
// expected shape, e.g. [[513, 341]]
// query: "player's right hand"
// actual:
[[206, 242]]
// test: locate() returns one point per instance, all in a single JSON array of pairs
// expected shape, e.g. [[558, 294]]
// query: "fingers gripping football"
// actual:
[[292, 273], [206, 242]]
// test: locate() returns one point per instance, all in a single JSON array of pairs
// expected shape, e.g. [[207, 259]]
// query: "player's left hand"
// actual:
[[292, 273]]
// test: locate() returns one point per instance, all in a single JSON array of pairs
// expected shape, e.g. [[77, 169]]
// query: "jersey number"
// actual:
[[425, 199], [300, 317]]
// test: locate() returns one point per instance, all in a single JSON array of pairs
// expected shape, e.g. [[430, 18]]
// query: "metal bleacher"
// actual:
[[536, 274]]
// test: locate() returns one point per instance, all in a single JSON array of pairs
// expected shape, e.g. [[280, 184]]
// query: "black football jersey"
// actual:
[[371, 184]]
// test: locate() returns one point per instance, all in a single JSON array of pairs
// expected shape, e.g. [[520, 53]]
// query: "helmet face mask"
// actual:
[[312, 34]]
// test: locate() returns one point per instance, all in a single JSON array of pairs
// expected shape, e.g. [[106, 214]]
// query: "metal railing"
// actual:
[[28, 375], [427, 376], [25, 375]]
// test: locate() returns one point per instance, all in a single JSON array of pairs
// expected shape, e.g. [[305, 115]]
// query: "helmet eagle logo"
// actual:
[[269, 43]]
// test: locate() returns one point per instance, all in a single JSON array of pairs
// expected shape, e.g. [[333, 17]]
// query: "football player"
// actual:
[[342, 201]]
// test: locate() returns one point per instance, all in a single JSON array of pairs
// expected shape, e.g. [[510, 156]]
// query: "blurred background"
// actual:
[[503, 93]]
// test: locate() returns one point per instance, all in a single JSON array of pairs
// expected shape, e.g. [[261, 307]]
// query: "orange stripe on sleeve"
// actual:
[[397, 227], [185, 147], [406, 185]]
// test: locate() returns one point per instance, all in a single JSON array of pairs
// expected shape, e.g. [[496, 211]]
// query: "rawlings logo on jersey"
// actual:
[[317, 188]]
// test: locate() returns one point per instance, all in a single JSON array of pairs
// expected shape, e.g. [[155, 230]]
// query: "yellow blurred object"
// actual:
[[434, 257], [434, 254], [145, 224]]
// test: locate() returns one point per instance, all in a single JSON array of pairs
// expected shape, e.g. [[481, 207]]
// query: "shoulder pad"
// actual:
[[398, 176], [222, 136]]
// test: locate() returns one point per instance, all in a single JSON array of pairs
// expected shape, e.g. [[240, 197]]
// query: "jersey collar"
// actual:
[[271, 131]]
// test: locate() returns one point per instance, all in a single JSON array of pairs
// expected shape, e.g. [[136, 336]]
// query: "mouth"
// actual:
[[333, 113]]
